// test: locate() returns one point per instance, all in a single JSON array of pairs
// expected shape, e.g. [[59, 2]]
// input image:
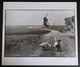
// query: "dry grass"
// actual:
[[26, 45]]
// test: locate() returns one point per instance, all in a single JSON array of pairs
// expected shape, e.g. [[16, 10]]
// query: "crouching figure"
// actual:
[[57, 45], [45, 46]]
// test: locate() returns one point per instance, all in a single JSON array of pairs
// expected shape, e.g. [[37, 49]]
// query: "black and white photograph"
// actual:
[[40, 33]]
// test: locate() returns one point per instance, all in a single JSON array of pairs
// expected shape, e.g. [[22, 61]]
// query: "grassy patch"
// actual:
[[71, 37]]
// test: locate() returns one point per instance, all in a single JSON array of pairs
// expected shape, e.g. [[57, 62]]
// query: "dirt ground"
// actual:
[[24, 46]]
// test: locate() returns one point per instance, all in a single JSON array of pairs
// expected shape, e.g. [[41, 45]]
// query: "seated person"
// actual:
[[45, 45], [57, 44]]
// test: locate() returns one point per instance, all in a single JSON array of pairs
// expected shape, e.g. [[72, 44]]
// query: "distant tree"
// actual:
[[68, 21], [73, 19]]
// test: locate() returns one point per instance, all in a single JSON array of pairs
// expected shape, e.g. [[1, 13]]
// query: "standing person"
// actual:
[[45, 21]]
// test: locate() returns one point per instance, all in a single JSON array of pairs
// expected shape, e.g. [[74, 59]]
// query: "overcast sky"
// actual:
[[36, 17]]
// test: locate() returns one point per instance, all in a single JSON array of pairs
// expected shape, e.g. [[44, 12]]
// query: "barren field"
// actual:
[[27, 43]]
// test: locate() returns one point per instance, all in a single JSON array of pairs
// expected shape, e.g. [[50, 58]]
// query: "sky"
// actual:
[[36, 17]]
